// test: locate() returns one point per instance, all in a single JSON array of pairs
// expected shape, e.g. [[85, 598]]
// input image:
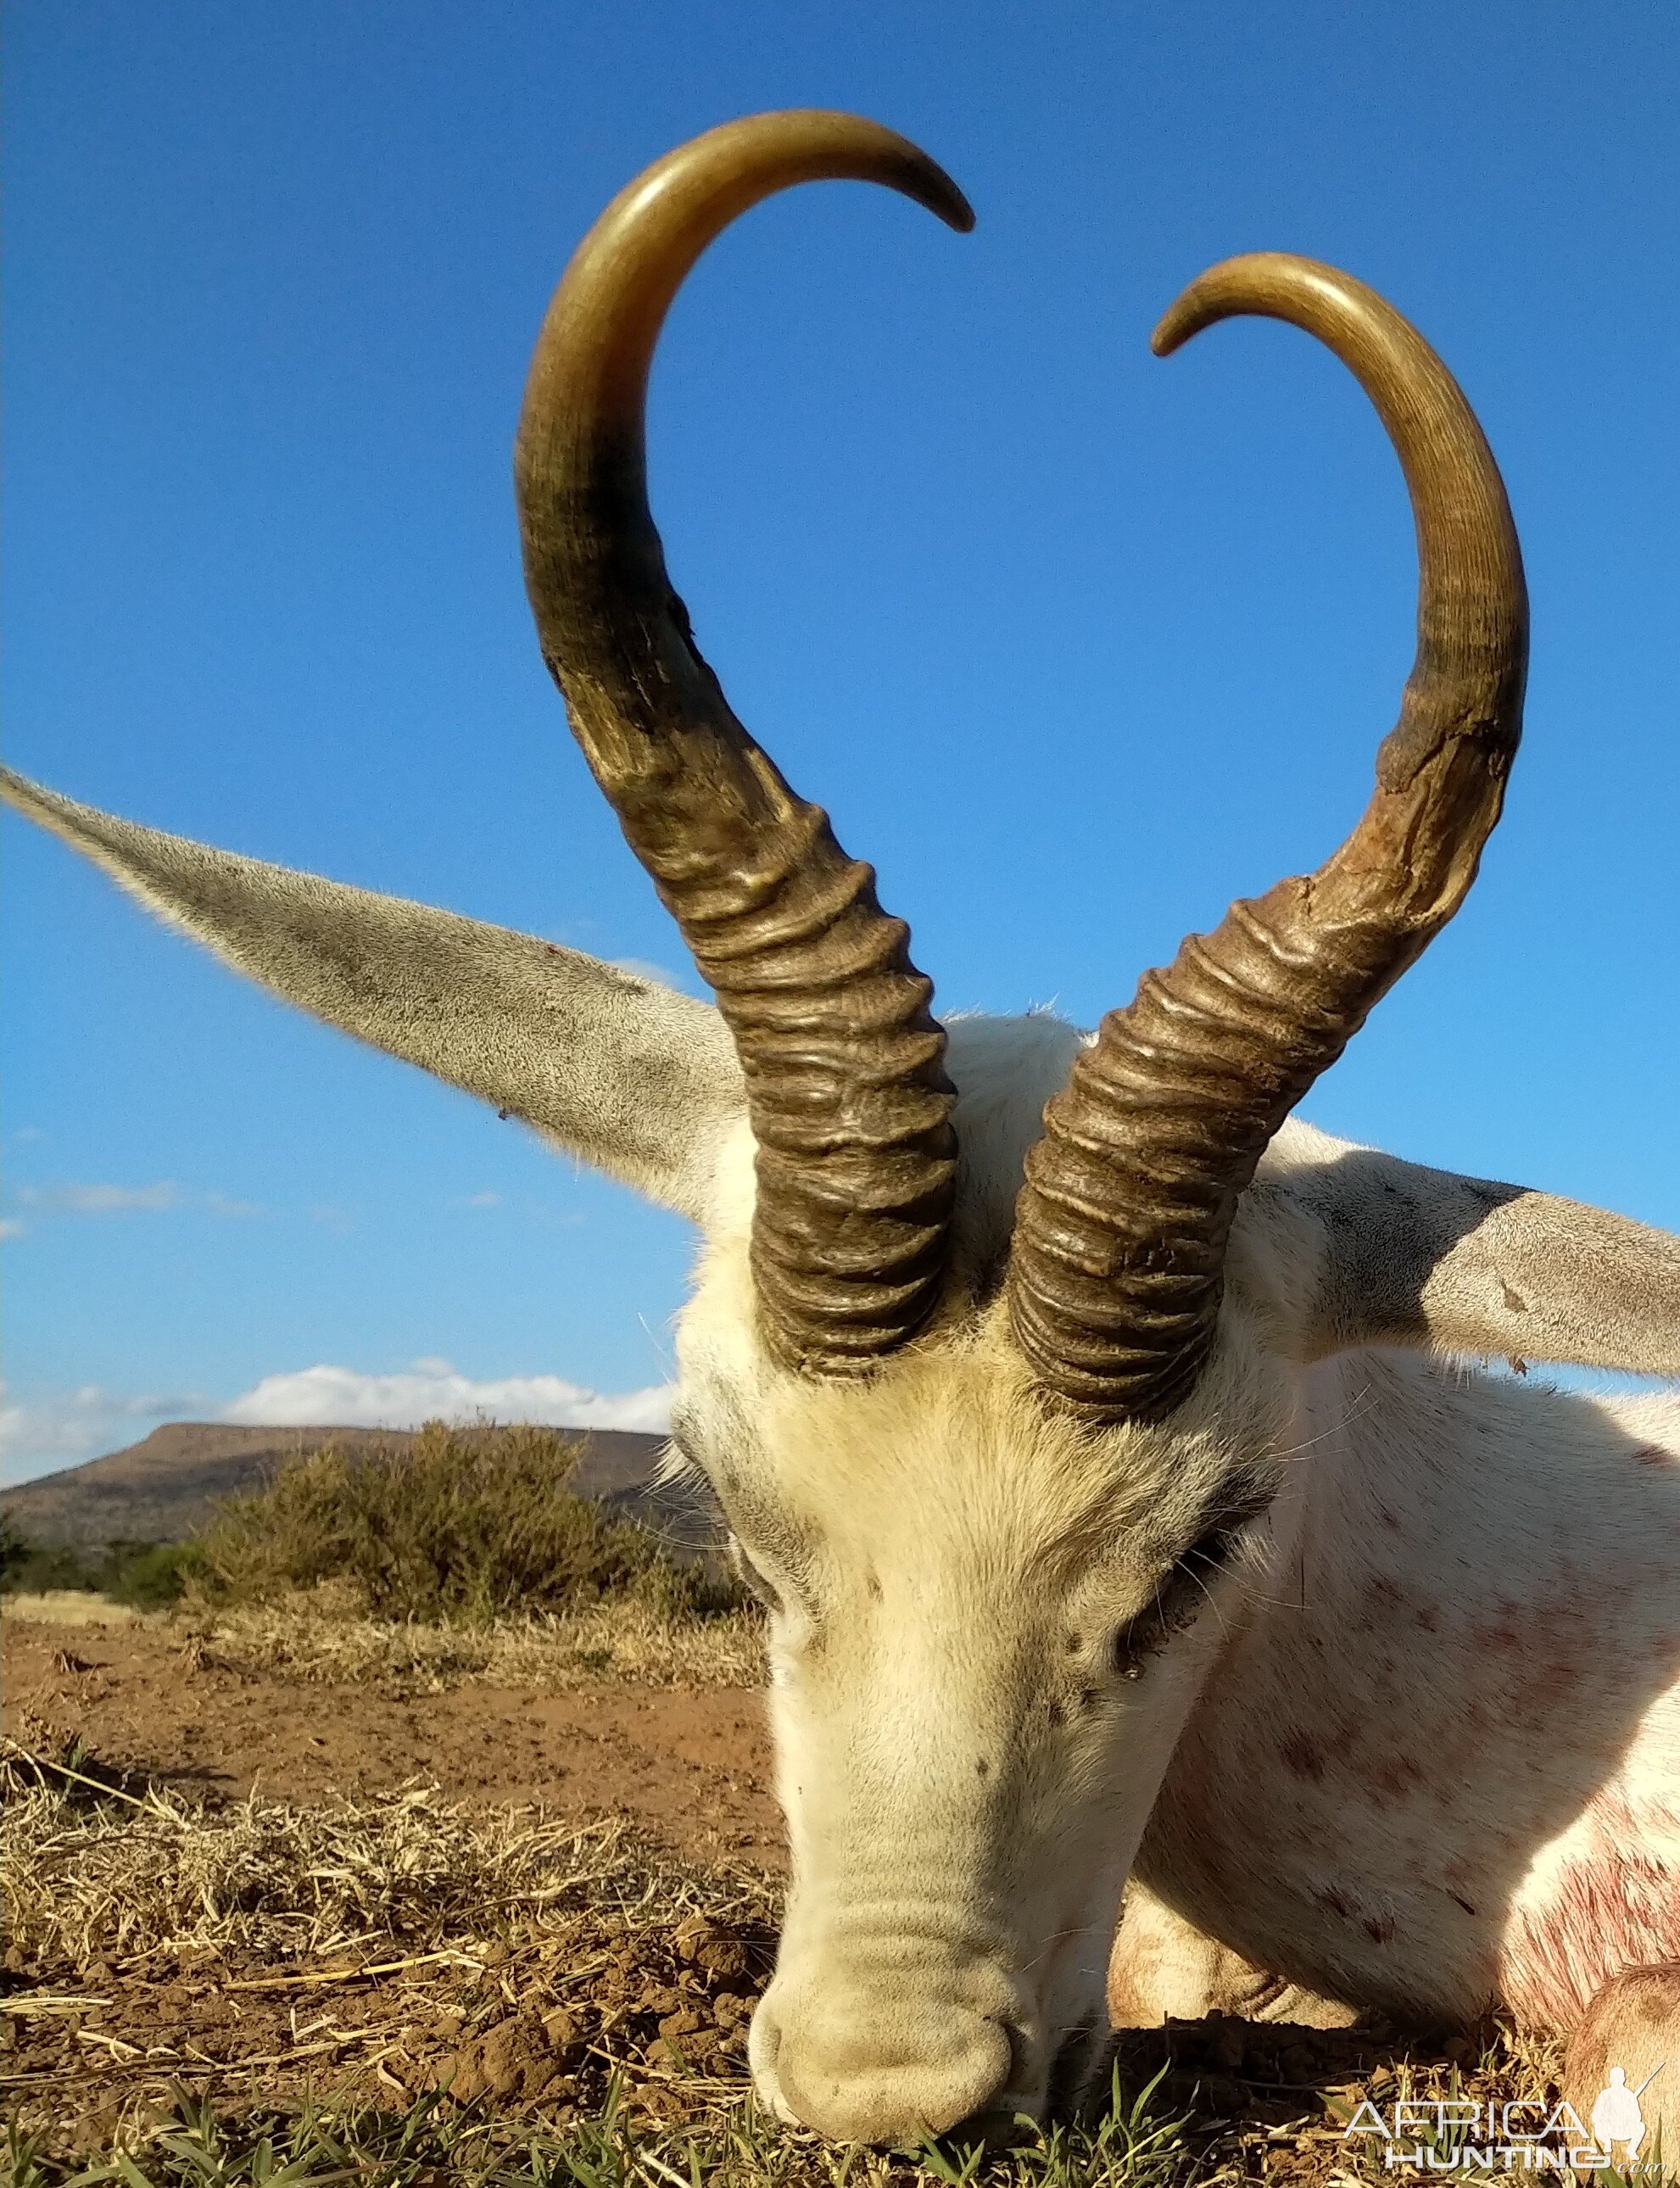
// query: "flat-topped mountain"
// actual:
[[162, 1488]]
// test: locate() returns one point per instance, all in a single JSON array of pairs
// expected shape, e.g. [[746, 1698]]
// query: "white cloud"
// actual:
[[128, 1200], [57, 1430], [484, 1200], [10, 1228], [432, 1390], [101, 1199]]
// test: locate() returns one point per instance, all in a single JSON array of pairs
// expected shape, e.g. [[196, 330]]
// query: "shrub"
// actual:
[[461, 1525], [147, 1576], [14, 1550], [31, 1568]]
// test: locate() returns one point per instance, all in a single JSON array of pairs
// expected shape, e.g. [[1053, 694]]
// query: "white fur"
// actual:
[[1425, 1720]]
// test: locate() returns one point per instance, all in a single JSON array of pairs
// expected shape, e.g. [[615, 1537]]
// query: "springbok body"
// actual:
[[1094, 1433]]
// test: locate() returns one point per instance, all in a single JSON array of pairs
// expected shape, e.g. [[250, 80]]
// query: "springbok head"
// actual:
[[992, 1393]]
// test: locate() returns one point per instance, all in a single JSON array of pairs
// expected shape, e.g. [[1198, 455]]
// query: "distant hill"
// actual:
[[160, 1489]]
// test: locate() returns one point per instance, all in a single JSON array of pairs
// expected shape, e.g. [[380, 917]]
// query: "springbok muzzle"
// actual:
[[882, 2066]]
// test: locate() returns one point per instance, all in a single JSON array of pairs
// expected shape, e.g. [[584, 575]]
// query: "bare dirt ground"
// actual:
[[688, 1767]]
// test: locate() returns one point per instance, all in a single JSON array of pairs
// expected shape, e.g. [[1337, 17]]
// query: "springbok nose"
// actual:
[[872, 2078]]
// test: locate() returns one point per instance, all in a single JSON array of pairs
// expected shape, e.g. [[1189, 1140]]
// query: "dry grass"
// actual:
[[320, 1637], [139, 1873], [67, 1606]]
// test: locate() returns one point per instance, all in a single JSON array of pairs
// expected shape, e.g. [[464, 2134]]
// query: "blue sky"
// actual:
[[1074, 645]]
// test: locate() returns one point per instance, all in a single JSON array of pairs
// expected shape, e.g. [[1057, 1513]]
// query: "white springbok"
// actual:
[[1100, 1441]]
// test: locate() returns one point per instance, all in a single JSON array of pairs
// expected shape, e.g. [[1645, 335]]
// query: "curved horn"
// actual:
[[843, 1062], [1121, 1226]]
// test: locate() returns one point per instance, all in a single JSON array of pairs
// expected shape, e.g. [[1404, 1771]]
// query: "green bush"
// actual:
[[13, 1546], [17, 1554], [461, 1525], [149, 1576]]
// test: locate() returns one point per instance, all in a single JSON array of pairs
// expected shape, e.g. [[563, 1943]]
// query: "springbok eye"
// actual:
[[1209, 1551], [750, 1577], [1179, 1594]]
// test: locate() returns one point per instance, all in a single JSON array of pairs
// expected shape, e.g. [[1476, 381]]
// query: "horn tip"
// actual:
[[1254, 281], [941, 196], [1189, 312], [1166, 337], [961, 213], [882, 155]]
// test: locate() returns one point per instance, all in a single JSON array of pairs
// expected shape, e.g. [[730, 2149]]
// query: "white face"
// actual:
[[987, 1628]]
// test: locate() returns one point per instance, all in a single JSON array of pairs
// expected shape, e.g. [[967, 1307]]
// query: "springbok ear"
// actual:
[[1393, 1253], [632, 1077]]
